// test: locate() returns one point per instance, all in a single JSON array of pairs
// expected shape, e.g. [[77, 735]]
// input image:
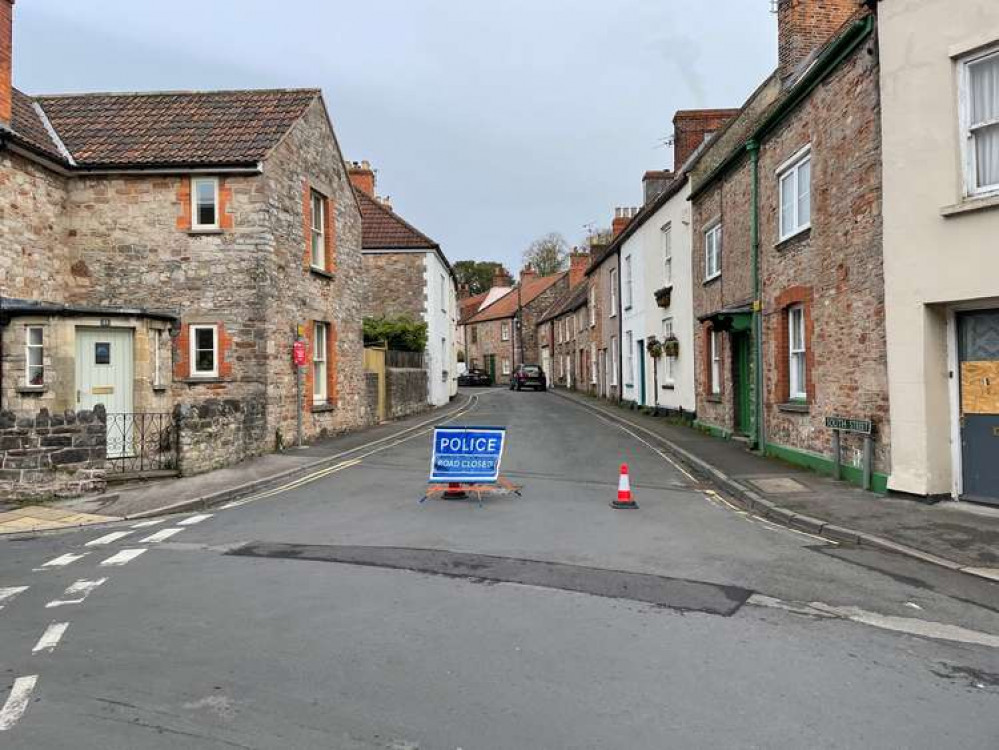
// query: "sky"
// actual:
[[489, 123]]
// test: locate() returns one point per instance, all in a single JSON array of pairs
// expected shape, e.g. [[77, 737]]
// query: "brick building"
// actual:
[[165, 249], [568, 331], [605, 299], [788, 278], [407, 274]]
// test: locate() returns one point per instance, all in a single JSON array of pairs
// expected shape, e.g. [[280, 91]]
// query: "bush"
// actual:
[[401, 333]]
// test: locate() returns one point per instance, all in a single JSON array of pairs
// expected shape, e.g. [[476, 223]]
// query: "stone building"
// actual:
[[788, 279], [407, 274], [605, 300], [568, 331], [162, 250]]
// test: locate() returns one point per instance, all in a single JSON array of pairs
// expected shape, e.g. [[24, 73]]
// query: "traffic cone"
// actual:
[[624, 500], [454, 492]]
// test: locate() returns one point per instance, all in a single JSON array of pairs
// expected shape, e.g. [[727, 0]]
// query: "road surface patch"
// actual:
[[673, 593], [39, 518]]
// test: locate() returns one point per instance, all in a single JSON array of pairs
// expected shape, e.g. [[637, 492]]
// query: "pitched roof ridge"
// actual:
[[178, 92]]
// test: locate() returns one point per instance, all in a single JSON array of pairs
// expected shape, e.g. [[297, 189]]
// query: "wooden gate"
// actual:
[[374, 361]]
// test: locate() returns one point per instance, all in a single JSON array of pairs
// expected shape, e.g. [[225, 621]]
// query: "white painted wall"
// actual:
[[933, 264], [442, 318]]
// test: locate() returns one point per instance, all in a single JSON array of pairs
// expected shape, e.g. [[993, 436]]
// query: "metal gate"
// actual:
[[141, 444]]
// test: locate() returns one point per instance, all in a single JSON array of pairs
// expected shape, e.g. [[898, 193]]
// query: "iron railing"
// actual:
[[140, 443]]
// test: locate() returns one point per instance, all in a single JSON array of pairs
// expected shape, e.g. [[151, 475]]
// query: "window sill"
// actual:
[[801, 234], [969, 205], [322, 272], [795, 407], [714, 398], [322, 408], [669, 386], [710, 279], [159, 389], [206, 230], [32, 389], [198, 380]]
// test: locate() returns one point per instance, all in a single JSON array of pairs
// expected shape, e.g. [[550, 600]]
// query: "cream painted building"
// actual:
[[940, 104]]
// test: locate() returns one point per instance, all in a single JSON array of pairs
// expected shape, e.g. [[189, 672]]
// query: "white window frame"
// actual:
[[317, 232], [629, 287], [195, 224], [790, 171], [669, 363], [614, 360], [593, 307], [157, 357], [320, 361], [193, 335], [504, 331], [506, 366], [593, 363], [28, 347], [797, 365], [712, 251], [629, 372], [613, 295], [968, 152], [443, 294], [715, 363], [666, 237]]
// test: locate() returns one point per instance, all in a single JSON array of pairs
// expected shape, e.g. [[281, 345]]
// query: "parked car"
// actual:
[[529, 376], [474, 378]]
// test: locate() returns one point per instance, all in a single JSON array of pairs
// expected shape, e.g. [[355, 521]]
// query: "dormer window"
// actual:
[[204, 203]]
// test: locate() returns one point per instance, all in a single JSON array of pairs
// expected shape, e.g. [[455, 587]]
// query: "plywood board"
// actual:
[[980, 387]]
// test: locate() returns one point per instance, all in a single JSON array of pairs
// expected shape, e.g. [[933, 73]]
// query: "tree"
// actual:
[[401, 333], [547, 254], [478, 274]]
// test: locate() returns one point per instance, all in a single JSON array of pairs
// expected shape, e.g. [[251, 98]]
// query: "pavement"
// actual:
[[956, 535], [341, 610]]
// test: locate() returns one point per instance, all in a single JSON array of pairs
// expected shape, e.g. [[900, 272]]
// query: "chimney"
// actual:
[[527, 273], [654, 183], [361, 175], [6, 60], [622, 217], [464, 291], [690, 129], [501, 278], [579, 261], [805, 25]]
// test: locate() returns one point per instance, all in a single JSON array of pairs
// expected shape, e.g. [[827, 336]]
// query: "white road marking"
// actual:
[[147, 524], [194, 519], [651, 447], [160, 536], [50, 638], [123, 557], [910, 626], [63, 560], [17, 701], [114, 536], [8, 593], [81, 588]]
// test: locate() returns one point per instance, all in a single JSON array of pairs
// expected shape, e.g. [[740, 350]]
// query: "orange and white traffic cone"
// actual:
[[624, 500]]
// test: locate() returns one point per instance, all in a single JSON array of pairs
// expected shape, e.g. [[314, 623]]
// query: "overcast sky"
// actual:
[[490, 123]]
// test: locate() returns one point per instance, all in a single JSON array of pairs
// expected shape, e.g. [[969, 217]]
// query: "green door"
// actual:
[[742, 389], [491, 366]]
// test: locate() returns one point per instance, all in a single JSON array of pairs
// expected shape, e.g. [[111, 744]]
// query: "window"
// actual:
[[629, 291], [204, 351], [475, 335], [669, 362], [667, 240], [795, 187], [505, 331], [320, 335], [593, 363], [614, 360], [593, 306], [318, 247], [712, 252], [980, 121], [796, 352], [629, 369], [35, 355], [204, 203], [443, 294], [613, 293], [506, 367], [157, 358], [715, 363]]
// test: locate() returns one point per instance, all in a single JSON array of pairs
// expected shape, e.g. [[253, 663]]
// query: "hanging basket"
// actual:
[[671, 347], [664, 296]]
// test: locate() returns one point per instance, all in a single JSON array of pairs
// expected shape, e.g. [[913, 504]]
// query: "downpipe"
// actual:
[[759, 437]]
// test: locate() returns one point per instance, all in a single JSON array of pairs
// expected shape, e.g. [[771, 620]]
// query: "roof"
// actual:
[[11, 307], [522, 294], [383, 228], [571, 301], [27, 124], [172, 128], [470, 305]]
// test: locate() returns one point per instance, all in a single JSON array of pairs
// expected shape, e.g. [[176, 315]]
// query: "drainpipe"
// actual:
[[759, 437]]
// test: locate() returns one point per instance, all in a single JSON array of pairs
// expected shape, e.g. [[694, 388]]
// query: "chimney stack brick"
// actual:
[[579, 261], [6, 61], [622, 217], [691, 127], [362, 177], [805, 25], [654, 183]]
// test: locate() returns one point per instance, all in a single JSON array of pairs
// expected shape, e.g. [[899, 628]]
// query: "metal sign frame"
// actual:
[[474, 459]]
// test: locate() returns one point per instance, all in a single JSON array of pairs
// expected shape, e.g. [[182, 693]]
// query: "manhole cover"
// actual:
[[778, 485]]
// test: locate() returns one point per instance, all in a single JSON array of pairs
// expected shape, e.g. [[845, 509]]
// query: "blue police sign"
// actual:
[[468, 455]]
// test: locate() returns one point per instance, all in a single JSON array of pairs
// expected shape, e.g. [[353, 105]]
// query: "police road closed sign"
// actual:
[[469, 455]]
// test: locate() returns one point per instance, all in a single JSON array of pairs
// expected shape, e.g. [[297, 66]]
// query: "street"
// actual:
[[283, 621]]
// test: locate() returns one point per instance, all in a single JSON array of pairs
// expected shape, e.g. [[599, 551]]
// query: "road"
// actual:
[[345, 613]]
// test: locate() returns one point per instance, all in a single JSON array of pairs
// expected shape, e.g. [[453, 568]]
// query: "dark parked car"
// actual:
[[475, 378], [529, 376]]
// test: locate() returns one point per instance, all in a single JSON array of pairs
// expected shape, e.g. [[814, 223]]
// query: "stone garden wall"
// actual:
[[215, 434], [52, 455], [405, 392]]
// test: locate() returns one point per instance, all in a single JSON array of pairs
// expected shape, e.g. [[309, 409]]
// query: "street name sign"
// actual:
[[863, 426], [467, 455]]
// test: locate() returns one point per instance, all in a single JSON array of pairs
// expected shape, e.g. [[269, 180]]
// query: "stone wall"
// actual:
[[486, 341], [531, 313], [52, 455], [405, 392], [396, 284], [215, 434]]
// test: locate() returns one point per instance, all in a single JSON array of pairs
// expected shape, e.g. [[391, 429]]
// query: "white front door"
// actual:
[[104, 376], [546, 361]]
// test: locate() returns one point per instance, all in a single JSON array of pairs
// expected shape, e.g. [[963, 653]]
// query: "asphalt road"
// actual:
[[345, 613]]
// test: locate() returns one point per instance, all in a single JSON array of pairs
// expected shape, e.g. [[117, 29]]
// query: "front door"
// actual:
[[104, 376], [741, 381], [978, 351], [546, 361], [641, 371]]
